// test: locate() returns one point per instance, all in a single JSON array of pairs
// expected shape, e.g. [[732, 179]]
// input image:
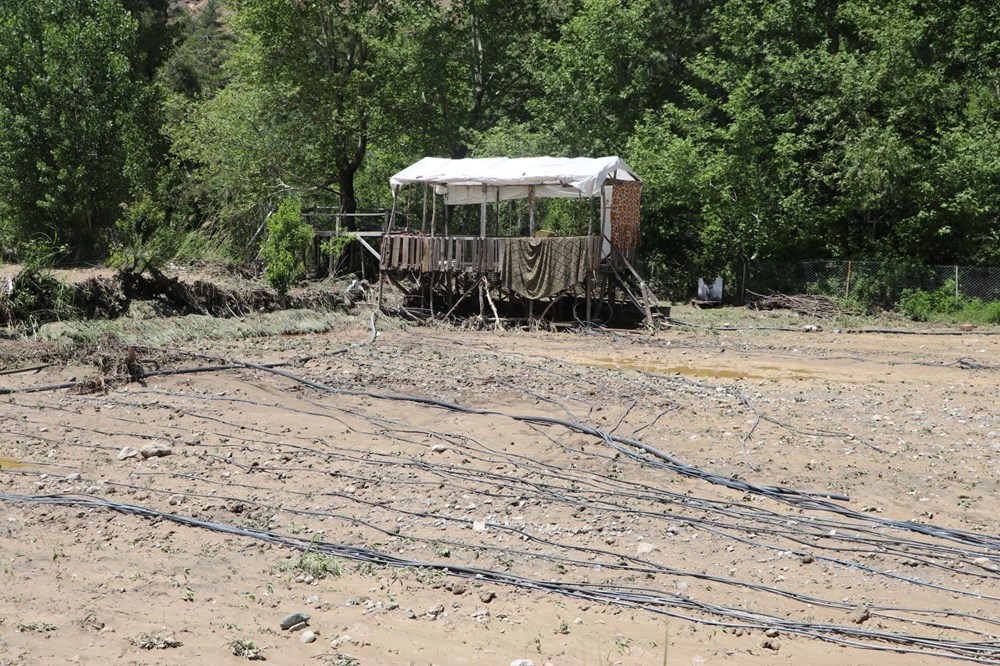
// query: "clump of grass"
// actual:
[[35, 627], [241, 647], [148, 641], [313, 564]]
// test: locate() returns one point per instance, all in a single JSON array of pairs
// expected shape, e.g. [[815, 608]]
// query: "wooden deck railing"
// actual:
[[442, 253], [456, 254]]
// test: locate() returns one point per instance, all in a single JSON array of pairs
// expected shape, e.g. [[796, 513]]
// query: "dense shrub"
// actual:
[[288, 237]]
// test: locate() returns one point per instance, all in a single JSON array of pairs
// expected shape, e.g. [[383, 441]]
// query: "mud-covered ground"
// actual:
[[802, 498]]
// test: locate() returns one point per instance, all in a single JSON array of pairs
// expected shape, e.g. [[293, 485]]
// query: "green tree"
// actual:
[[303, 95], [461, 68], [839, 129], [75, 120]]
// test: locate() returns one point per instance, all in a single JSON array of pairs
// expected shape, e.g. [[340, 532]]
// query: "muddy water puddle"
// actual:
[[11, 463], [639, 365]]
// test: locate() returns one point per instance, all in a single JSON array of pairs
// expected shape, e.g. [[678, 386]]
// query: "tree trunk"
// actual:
[[348, 198]]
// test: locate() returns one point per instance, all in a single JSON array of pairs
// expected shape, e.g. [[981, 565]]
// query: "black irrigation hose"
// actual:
[[710, 526], [983, 652], [616, 441], [800, 498], [789, 329], [834, 524]]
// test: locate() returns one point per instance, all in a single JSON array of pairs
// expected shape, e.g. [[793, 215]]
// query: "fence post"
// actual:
[[956, 281], [847, 287], [743, 287]]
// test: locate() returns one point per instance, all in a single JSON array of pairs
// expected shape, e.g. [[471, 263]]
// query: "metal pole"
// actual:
[[956, 281]]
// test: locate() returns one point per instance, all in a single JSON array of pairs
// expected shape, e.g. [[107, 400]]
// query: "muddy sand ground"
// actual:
[[801, 498]]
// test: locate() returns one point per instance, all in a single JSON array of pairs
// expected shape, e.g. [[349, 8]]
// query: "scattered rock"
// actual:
[[308, 637], [459, 589], [522, 662], [75, 476], [985, 563], [434, 612], [439, 448], [478, 525], [861, 615], [175, 500], [771, 633], [155, 450], [294, 619], [768, 644], [681, 586], [645, 549], [127, 452], [486, 596], [807, 559]]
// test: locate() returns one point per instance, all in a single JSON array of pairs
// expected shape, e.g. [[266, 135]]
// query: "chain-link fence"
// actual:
[[869, 282]]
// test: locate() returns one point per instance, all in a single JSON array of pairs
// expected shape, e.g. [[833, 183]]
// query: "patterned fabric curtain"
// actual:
[[625, 214]]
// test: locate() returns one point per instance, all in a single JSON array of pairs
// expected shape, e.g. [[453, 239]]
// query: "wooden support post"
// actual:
[[589, 283], [531, 210], [423, 217], [590, 216], [434, 212], [482, 301], [482, 214], [431, 296]]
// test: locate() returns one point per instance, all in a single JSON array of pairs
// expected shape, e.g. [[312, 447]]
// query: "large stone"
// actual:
[[294, 619], [155, 450], [645, 549], [127, 452]]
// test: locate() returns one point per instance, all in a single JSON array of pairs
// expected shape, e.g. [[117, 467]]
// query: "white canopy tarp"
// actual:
[[469, 181]]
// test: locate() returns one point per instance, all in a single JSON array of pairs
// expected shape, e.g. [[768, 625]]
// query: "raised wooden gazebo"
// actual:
[[537, 267]]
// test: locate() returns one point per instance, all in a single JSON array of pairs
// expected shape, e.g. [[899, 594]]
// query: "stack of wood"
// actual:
[[807, 304]]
